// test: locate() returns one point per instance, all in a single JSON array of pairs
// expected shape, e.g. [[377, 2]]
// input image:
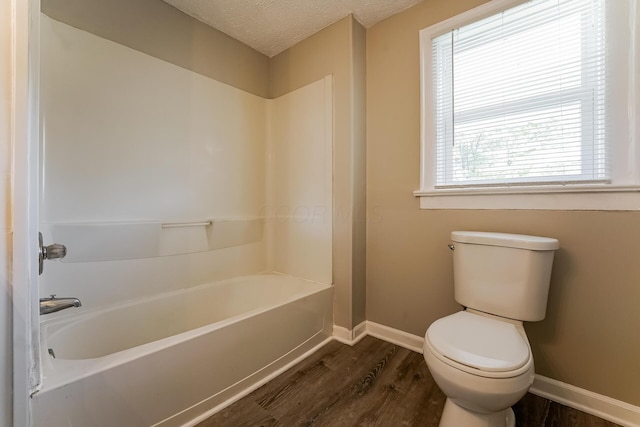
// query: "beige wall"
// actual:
[[158, 29], [5, 215], [590, 336], [331, 51]]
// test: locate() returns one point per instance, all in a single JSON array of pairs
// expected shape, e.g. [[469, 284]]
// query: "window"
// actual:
[[530, 98]]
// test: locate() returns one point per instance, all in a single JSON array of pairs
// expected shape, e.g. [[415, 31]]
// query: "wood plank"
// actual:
[[531, 411], [244, 412], [311, 398], [396, 391], [374, 383], [364, 394], [424, 401], [560, 415]]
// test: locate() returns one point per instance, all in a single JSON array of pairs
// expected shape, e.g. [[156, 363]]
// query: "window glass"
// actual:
[[519, 97]]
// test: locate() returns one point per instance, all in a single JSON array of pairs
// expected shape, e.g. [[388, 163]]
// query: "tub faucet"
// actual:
[[53, 304]]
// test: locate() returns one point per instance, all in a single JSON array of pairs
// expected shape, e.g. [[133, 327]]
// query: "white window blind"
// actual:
[[519, 97]]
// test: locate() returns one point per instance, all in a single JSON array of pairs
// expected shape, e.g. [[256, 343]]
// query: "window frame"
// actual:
[[622, 192]]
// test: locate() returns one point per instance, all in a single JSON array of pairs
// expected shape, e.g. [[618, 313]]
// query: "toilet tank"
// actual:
[[503, 274]]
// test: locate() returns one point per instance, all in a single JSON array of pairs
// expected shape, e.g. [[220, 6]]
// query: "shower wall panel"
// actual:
[[132, 143], [130, 137], [300, 168], [158, 178]]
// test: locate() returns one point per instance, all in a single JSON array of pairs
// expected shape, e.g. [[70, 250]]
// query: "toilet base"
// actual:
[[455, 415]]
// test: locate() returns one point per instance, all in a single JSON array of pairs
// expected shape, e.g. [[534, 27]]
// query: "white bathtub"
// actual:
[[169, 359]]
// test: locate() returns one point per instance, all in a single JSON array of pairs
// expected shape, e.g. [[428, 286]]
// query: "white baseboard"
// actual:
[[604, 407], [350, 336], [587, 401], [385, 333], [395, 336], [360, 331], [342, 335]]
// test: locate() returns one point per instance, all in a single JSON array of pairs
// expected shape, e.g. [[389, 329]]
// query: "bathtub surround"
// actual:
[[212, 183], [191, 146], [155, 28], [300, 184], [189, 203], [185, 148]]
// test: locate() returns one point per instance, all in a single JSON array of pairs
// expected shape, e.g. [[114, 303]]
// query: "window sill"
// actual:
[[604, 198]]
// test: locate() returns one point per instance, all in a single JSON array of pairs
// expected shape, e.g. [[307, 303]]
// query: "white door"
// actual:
[[24, 203]]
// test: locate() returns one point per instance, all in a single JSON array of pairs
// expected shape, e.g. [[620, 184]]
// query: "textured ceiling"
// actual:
[[271, 26]]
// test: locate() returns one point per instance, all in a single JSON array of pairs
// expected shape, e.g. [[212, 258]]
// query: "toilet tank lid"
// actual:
[[520, 241]]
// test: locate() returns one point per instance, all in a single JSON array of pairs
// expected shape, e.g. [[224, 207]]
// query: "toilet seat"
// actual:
[[479, 345]]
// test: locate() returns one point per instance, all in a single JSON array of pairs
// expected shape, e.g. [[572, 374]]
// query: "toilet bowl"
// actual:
[[489, 378], [480, 357]]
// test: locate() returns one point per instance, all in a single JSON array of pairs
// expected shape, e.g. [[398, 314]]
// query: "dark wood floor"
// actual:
[[373, 383]]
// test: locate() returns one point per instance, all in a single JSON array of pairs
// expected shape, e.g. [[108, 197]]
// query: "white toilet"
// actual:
[[480, 357]]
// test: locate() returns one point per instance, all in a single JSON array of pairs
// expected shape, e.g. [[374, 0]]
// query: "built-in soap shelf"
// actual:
[[110, 241]]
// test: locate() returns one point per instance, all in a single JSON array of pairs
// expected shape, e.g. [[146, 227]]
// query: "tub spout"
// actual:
[[53, 304]]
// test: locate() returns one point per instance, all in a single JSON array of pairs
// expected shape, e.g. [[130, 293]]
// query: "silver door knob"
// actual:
[[54, 251]]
